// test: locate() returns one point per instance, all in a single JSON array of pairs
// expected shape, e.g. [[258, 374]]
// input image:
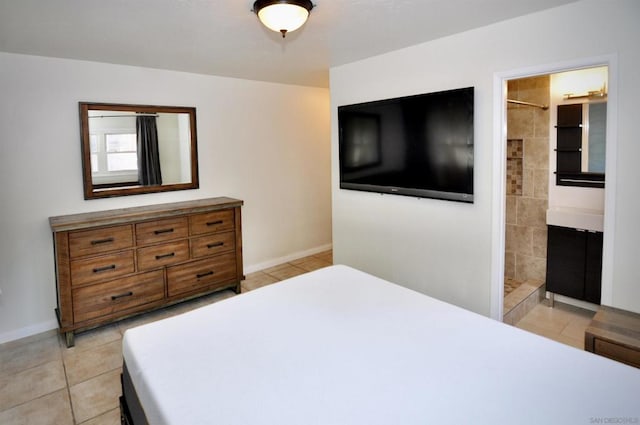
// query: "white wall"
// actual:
[[267, 144], [444, 248]]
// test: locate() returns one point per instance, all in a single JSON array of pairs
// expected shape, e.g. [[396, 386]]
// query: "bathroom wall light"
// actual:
[[581, 83], [591, 94], [283, 16]]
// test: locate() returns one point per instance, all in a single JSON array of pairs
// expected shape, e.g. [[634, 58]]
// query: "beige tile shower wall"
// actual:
[[526, 231]]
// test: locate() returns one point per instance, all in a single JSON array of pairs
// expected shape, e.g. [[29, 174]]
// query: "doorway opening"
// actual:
[[525, 173]]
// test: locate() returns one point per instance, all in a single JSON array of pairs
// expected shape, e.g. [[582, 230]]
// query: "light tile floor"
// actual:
[[42, 382], [562, 323]]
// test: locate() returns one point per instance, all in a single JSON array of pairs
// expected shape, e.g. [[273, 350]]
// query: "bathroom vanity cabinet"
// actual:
[[574, 263]]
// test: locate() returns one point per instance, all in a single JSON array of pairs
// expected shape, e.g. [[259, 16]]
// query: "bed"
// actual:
[[339, 346]]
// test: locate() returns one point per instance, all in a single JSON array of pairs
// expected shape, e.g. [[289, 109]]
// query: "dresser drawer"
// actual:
[[201, 274], [151, 232], [153, 257], [617, 352], [106, 298], [108, 266], [97, 241], [216, 221], [216, 243]]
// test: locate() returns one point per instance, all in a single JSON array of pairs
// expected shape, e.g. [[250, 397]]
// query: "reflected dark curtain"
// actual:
[[148, 152]]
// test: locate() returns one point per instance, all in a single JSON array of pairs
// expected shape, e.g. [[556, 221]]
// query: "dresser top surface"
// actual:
[[64, 223], [616, 325]]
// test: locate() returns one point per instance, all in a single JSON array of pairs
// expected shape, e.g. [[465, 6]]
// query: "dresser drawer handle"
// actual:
[[215, 244], [171, 254], [100, 241], [209, 273], [159, 232], [214, 223], [104, 269], [126, 294]]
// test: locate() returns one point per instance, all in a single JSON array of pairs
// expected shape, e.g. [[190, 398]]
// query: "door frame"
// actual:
[[499, 170]]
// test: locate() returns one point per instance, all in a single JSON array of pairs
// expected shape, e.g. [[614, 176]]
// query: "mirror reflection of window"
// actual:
[[119, 157], [121, 152], [114, 158], [113, 144]]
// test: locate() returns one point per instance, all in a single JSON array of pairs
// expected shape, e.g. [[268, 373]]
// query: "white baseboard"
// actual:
[[277, 261], [25, 332]]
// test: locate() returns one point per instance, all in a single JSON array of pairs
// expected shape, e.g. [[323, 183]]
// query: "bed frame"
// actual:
[[131, 412]]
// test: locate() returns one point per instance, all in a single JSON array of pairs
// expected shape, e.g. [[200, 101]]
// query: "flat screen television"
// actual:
[[419, 145]]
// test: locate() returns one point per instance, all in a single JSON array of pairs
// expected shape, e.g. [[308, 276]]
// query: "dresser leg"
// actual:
[[68, 336]]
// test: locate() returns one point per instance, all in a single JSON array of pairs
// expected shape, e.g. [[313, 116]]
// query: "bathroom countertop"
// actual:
[[578, 218]]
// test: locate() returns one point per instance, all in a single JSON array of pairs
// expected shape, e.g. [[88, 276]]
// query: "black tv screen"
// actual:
[[419, 145]]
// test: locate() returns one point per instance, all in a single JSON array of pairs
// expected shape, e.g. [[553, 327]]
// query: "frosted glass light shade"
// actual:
[[281, 15]]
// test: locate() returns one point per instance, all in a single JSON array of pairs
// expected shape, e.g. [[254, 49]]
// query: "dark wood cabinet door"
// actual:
[[566, 261], [593, 268]]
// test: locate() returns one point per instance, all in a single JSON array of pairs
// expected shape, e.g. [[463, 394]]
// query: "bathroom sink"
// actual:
[[576, 217]]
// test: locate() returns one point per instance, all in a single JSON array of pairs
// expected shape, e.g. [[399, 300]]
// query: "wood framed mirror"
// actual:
[[135, 149]]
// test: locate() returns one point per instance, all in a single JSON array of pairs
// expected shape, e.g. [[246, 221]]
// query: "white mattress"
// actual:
[[338, 346]]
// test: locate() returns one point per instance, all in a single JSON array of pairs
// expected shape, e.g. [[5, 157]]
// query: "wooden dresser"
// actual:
[[615, 334], [114, 264]]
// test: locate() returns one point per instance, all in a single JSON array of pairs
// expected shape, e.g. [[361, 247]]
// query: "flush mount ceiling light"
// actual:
[[283, 16]]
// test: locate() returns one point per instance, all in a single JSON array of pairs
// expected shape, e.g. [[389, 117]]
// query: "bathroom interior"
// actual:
[[554, 190]]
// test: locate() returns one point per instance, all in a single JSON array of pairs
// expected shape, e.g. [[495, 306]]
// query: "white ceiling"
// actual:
[[223, 37]]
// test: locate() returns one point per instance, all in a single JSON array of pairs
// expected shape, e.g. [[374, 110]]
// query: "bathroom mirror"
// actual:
[[581, 144], [134, 149]]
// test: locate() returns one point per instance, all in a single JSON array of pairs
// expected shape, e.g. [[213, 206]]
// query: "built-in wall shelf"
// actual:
[[515, 155]]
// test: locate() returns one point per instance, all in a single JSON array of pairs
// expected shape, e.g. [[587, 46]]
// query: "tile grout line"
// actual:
[[86, 380], [62, 348], [33, 399], [38, 397], [66, 378], [46, 394]]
